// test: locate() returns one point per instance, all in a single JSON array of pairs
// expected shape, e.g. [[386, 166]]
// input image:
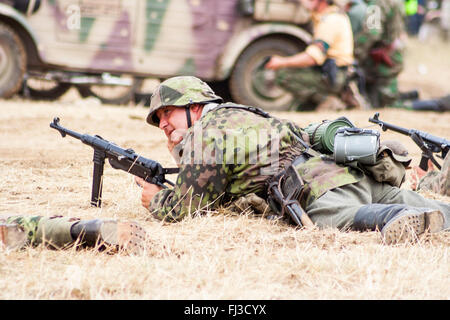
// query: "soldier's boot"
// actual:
[[409, 95], [444, 103], [353, 98], [110, 234], [12, 236], [399, 223], [426, 105], [441, 104]]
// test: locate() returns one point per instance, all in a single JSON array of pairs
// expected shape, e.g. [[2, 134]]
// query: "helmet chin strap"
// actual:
[[188, 116]]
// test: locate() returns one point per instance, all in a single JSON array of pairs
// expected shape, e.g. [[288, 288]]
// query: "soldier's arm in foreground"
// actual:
[[198, 186]]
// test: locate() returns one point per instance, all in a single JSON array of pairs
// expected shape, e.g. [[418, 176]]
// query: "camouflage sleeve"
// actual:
[[199, 186], [299, 132]]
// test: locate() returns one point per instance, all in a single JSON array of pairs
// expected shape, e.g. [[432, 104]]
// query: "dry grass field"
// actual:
[[220, 255]]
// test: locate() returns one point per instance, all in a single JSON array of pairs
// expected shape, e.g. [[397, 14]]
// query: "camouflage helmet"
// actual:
[[180, 91]]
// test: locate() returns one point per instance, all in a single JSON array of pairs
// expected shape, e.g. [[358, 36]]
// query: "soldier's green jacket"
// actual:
[[232, 152], [382, 28]]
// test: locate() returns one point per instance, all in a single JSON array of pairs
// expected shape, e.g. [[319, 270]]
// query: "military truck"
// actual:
[[111, 48]]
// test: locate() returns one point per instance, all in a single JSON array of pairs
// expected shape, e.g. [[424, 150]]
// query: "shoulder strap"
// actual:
[[264, 114], [255, 110]]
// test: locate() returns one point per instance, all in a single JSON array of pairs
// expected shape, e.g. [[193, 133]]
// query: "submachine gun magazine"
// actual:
[[123, 159]]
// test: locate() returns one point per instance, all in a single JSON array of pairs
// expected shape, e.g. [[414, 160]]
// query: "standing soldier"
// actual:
[[379, 50], [321, 69]]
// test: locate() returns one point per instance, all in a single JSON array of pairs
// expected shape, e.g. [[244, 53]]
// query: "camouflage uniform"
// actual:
[[437, 181], [379, 50], [232, 152]]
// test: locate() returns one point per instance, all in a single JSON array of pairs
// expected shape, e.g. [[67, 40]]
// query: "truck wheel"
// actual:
[[111, 94], [13, 61], [255, 86], [40, 89]]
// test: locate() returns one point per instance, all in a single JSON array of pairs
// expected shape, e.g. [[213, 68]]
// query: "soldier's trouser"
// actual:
[[384, 92], [437, 181], [308, 84], [338, 207], [62, 232], [53, 231]]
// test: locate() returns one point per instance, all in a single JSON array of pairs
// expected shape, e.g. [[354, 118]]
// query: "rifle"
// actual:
[[428, 143], [288, 203], [123, 159]]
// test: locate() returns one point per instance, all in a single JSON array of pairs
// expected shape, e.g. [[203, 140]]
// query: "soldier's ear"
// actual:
[[196, 109]]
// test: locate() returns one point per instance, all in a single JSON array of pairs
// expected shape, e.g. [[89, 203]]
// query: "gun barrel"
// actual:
[[55, 125], [387, 126], [421, 138]]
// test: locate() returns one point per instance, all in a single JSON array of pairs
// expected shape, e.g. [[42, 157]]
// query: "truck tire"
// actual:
[[254, 86], [46, 90], [118, 95], [13, 61]]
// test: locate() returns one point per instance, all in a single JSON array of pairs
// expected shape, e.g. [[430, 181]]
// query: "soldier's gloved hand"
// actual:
[[254, 202]]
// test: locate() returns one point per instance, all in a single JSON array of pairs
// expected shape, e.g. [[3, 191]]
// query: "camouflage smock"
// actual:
[[232, 152]]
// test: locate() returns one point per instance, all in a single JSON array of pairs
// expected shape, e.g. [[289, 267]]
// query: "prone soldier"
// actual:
[[201, 130], [234, 153]]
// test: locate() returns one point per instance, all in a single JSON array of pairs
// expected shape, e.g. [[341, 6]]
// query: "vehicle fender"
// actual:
[[242, 39], [19, 18]]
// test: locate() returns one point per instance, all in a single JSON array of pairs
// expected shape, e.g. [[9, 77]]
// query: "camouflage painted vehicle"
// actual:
[[98, 44]]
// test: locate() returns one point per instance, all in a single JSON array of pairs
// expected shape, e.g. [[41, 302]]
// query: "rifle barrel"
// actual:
[[433, 142], [55, 125], [387, 126]]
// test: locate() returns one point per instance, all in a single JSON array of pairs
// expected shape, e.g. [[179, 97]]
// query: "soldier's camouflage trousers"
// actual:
[[383, 92], [437, 181], [61, 232], [309, 85], [381, 81], [338, 207]]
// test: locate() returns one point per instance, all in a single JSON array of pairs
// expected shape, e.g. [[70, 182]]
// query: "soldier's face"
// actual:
[[171, 118]]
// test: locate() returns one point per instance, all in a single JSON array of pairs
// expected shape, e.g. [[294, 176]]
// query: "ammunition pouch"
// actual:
[[329, 71], [387, 169], [356, 74]]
